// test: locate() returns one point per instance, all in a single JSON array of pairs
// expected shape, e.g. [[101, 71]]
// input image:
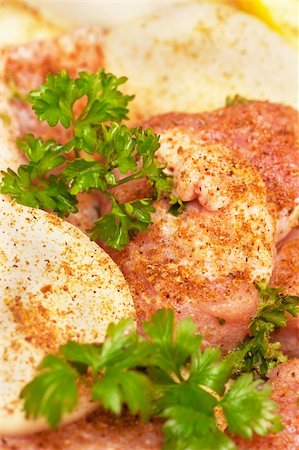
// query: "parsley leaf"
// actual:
[[165, 374], [93, 107], [258, 353], [49, 194], [171, 353], [248, 409], [33, 184], [274, 305], [117, 144], [188, 428], [124, 221], [82, 355], [105, 101], [54, 100], [130, 387], [84, 174], [55, 391], [36, 149], [205, 371], [43, 156], [189, 413]]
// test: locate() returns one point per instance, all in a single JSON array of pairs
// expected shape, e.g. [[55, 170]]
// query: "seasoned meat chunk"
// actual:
[[286, 275], [284, 381], [265, 134]]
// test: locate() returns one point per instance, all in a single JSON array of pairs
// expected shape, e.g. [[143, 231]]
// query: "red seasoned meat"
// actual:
[[204, 262], [266, 134], [284, 381], [286, 275]]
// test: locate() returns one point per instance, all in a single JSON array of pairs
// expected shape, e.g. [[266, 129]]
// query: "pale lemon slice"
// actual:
[[280, 15]]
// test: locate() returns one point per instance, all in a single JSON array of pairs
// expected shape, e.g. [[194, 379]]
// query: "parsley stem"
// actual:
[[135, 176]]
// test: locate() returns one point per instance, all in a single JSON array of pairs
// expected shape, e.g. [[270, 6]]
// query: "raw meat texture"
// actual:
[[101, 431], [204, 262], [286, 269], [88, 211], [286, 275], [289, 337], [9, 154], [185, 263], [265, 134], [26, 67], [220, 181], [284, 381]]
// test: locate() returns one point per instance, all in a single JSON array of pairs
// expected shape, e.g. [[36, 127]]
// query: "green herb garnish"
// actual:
[[165, 375], [258, 353], [236, 99], [108, 144]]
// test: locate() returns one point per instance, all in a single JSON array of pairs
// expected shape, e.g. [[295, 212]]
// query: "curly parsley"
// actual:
[[258, 353], [110, 145]]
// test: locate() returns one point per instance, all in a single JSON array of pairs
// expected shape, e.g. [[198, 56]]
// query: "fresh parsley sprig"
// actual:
[[52, 181], [124, 221], [259, 353], [54, 101], [165, 374], [32, 186]]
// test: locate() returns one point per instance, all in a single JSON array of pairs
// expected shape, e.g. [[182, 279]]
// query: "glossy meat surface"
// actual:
[[286, 269]]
